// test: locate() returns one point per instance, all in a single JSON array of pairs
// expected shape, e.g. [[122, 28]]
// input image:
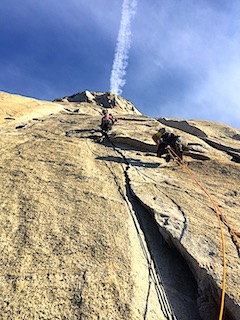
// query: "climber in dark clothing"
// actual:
[[107, 122], [166, 139]]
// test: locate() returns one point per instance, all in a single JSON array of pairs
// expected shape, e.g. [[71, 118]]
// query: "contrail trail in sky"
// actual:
[[120, 62]]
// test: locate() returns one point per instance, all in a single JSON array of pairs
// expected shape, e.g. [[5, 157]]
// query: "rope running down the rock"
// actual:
[[177, 159]]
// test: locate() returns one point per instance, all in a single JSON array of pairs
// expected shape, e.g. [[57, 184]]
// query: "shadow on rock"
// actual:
[[131, 161]]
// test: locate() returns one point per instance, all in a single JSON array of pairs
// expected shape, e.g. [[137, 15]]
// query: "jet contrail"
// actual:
[[120, 62]]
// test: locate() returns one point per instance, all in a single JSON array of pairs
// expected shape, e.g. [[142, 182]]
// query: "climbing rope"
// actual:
[[154, 275], [153, 272], [219, 212], [220, 216]]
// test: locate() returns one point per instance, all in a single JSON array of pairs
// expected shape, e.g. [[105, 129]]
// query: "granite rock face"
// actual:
[[102, 99], [97, 228]]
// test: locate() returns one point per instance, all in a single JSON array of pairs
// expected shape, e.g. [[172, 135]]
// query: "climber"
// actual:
[[163, 140], [107, 122]]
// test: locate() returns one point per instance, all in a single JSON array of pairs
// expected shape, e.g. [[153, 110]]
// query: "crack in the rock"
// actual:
[[133, 204]]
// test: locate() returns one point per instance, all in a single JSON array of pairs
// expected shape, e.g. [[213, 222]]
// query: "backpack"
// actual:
[[106, 124]]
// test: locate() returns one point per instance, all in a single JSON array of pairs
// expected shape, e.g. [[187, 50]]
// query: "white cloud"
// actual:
[[117, 80]]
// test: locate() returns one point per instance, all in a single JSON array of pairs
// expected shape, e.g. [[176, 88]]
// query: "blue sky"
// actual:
[[184, 59]]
